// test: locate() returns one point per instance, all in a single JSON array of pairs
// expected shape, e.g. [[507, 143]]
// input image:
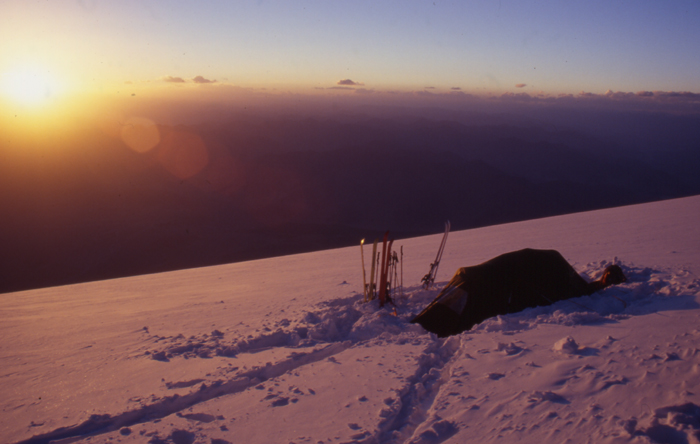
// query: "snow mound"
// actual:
[[566, 345]]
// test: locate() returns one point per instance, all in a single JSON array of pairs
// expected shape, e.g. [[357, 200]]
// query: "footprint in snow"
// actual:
[[182, 384], [160, 356], [182, 437], [296, 390], [672, 357], [199, 417], [673, 424], [360, 436], [509, 349], [280, 402], [438, 432], [538, 397]]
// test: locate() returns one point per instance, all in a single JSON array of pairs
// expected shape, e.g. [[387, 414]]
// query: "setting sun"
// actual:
[[28, 85]]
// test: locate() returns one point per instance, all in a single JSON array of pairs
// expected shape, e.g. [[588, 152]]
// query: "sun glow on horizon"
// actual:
[[35, 103], [28, 85]]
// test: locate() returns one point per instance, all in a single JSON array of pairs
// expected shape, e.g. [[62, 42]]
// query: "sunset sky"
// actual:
[[477, 47]]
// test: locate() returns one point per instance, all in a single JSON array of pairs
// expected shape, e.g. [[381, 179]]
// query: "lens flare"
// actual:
[[140, 134], [183, 154]]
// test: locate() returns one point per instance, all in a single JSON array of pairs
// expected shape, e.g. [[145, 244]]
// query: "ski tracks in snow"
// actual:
[[398, 363], [354, 373], [571, 389]]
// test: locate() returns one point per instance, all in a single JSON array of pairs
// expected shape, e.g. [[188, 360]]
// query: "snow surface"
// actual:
[[283, 350]]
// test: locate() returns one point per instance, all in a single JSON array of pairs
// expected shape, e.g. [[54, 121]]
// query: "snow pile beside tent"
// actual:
[[233, 354]]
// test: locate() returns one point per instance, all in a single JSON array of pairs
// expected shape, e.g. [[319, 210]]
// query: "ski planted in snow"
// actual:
[[401, 287], [383, 269], [364, 275], [393, 278], [370, 289], [386, 286], [429, 278]]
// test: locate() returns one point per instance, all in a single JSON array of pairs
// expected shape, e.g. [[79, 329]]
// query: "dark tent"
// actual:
[[505, 284]]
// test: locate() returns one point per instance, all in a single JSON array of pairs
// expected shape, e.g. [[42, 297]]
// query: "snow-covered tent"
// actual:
[[505, 284]]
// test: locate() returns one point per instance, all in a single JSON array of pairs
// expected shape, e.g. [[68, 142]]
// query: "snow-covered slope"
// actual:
[[282, 350]]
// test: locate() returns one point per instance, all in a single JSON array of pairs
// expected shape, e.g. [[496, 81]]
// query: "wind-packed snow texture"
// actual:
[[284, 351]]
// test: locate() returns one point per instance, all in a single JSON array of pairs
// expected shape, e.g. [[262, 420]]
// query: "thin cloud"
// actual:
[[456, 88], [171, 79], [200, 79], [520, 85], [672, 101], [348, 82], [643, 96], [520, 97], [619, 95], [679, 95]]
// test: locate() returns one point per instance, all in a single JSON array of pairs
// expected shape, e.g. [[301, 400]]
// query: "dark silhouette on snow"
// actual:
[[505, 284]]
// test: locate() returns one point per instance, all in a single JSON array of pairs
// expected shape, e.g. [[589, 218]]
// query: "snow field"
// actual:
[[283, 350]]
